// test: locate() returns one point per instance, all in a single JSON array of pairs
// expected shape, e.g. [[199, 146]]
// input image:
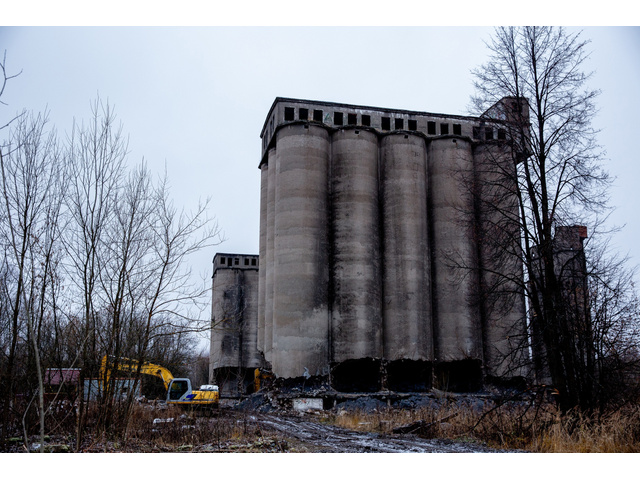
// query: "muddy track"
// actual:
[[329, 438]]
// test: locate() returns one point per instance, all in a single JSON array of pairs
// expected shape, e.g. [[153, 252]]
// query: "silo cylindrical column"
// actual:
[[226, 333], [301, 253], [457, 323], [262, 252], [248, 284], [406, 304], [269, 254], [356, 310], [500, 256]]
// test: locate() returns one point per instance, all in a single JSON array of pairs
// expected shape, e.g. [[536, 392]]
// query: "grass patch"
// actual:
[[533, 428]]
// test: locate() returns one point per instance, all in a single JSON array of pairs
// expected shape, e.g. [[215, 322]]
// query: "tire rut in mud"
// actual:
[[330, 438]]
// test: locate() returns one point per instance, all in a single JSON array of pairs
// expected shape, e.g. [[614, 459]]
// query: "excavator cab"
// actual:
[[181, 393], [178, 388]]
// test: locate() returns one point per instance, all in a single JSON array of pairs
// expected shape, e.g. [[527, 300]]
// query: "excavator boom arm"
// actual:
[[129, 365]]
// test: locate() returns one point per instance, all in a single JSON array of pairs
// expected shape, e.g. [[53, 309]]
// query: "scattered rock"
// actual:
[[162, 420]]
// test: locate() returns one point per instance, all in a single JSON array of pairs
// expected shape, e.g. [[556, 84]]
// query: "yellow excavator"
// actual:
[[179, 391]]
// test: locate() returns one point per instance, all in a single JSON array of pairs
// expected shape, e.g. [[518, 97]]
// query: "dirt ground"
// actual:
[[312, 435], [231, 430]]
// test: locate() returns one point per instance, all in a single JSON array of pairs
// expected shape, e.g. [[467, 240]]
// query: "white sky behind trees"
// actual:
[[195, 99]]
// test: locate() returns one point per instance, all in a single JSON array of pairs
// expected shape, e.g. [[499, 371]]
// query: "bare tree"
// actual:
[[31, 203], [535, 90], [94, 263], [4, 79], [167, 299], [143, 273], [128, 246], [9, 323], [171, 290], [96, 156], [615, 325]]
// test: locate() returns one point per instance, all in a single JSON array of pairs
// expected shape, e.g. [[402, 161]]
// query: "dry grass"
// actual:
[[510, 427], [177, 430]]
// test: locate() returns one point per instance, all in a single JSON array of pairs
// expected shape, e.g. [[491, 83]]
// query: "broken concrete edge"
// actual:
[[322, 399]]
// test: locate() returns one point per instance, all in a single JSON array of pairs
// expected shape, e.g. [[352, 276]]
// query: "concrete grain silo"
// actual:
[[371, 250], [234, 333]]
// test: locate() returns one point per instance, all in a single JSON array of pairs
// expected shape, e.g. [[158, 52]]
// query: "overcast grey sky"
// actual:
[[196, 98]]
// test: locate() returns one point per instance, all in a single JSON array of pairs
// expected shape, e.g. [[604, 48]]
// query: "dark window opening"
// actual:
[[317, 115], [488, 133], [246, 261], [237, 261], [337, 118], [289, 113], [366, 120], [362, 375], [476, 133], [399, 123], [352, 119], [444, 129], [502, 134], [386, 123], [413, 125], [457, 129], [303, 114], [235, 381], [516, 107], [459, 376], [253, 262], [409, 376], [431, 128], [222, 261]]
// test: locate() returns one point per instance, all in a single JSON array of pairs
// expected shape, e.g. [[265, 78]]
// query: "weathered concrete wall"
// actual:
[[301, 253], [262, 288], [234, 314], [269, 255], [457, 328], [406, 268], [571, 271], [503, 309], [356, 317]]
